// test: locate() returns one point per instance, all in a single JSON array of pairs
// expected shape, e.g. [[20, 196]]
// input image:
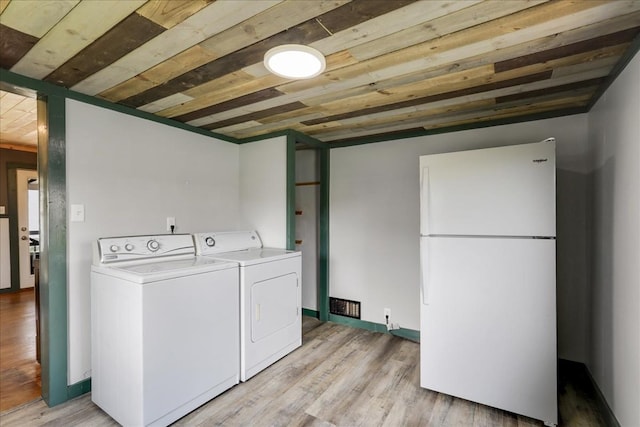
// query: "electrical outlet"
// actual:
[[171, 221]]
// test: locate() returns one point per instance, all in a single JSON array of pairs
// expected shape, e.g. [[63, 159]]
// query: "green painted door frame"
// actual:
[[322, 148], [51, 160], [53, 252]]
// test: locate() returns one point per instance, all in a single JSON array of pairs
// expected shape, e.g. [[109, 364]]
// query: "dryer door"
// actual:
[[271, 313], [274, 303]]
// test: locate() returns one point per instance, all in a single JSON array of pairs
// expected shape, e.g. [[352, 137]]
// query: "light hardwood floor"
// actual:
[[341, 376], [19, 371]]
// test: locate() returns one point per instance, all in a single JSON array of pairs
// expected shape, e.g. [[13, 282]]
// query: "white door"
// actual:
[[28, 223], [506, 191], [488, 328]]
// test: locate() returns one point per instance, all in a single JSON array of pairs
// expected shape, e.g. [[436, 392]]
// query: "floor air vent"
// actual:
[[344, 307]]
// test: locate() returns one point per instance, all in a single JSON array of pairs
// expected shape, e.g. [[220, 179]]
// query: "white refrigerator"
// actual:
[[488, 291]]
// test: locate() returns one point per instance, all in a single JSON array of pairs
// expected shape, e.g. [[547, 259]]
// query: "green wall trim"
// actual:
[[375, 327], [410, 334], [44, 88], [323, 235], [79, 388], [357, 323], [53, 247], [306, 139], [262, 137], [291, 192], [310, 313], [299, 137]]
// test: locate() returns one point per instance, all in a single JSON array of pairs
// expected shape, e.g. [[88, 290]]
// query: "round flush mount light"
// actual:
[[294, 61]]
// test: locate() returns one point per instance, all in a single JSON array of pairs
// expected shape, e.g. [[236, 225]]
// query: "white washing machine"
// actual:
[[270, 296], [164, 328]]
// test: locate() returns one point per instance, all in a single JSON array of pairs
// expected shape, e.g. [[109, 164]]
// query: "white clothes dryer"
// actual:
[[164, 328], [270, 296]]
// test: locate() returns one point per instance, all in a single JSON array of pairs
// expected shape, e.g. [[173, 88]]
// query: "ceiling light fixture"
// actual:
[[294, 61]]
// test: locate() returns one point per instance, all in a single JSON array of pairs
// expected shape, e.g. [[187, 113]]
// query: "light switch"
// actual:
[[77, 213], [2, 211]]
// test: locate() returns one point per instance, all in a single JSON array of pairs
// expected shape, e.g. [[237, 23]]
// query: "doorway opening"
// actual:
[[309, 169], [307, 209], [19, 251]]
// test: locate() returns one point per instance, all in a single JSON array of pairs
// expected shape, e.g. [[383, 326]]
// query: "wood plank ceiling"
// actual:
[[18, 121], [392, 65]]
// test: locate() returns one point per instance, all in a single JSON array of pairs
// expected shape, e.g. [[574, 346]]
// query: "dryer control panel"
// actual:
[[226, 241], [133, 248]]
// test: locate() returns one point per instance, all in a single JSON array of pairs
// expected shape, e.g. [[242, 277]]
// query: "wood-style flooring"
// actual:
[[19, 371], [341, 376]]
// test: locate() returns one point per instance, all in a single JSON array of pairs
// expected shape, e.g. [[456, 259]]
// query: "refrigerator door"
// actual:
[[488, 333], [506, 191]]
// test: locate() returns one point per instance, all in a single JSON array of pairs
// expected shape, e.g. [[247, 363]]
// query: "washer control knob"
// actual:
[[210, 241], [128, 247], [153, 245], [114, 248]]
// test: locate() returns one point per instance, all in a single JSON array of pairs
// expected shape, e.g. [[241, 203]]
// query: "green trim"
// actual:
[[262, 137], [299, 137], [458, 128], [375, 327], [409, 334], [633, 49], [310, 313], [306, 139], [357, 323], [12, 214], [53, 247], [44, 88], [79, 388], [323, 235], [291, 192]]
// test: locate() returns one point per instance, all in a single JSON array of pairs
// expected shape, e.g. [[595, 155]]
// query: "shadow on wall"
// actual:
[[573, 284], [602, 267]]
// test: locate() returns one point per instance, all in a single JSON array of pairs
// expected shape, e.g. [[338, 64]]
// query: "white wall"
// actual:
[[263, 189], [614, 136], [374, 221], [130, 174]]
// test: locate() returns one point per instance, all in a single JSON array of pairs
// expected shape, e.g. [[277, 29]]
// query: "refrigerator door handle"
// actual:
[[424, 201], [424, 273]]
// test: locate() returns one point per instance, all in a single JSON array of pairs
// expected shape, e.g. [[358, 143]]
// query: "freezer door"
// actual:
[[488, 333], [506, 191]]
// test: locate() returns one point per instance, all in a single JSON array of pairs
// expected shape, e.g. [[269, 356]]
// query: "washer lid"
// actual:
[[163, 270], [256, 255]]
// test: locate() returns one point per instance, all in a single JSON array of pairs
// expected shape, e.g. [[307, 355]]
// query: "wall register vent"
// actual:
[[344, 307]]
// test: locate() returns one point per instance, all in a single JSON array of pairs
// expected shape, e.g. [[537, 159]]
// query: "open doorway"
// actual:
[[309, 162], [19, 251], [307, 223], [27, 196]]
